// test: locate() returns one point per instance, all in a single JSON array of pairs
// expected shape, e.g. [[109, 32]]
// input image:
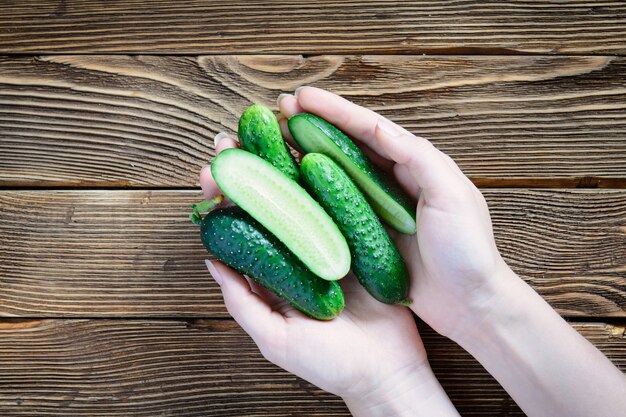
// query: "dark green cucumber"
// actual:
[[393, 205], [241, 242], [259, 133], [283, 207], [376, 261]]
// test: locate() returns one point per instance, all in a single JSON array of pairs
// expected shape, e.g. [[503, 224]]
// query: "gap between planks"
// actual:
[[614, 321], [442, 53], [587, 182]]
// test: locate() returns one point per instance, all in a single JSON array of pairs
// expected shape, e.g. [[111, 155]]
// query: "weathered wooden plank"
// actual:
[[98, 253], [149, 121], [203, 368], [211, 27]]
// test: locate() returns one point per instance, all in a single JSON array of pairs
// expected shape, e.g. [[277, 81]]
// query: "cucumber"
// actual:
[[259, 133], [241, 242], [376, 261], [393, 205], [285, 209]]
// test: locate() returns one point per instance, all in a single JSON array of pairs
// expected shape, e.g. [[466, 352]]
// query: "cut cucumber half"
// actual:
[[285, 209], [394, 206]]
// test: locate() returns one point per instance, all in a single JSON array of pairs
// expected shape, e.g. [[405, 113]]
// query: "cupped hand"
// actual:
[[453, 259], [354, 355]]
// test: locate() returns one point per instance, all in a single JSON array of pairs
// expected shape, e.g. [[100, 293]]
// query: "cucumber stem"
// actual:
[[203, 207], [406, 302]]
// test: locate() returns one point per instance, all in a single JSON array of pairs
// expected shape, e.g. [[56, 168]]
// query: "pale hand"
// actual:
[[370, 345], [453, 260], [462, 287]]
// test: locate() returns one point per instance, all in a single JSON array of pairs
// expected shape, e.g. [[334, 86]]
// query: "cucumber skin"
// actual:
[[241, 242], [259, 133], [357, 156], [376, 262]]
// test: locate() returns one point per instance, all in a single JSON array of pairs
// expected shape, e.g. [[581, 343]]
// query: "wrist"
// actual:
[[497, 302], [411, 392]]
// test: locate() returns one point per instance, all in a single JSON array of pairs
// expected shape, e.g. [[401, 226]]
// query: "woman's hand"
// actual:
[[371, 354], [460, 284], [453, 259]]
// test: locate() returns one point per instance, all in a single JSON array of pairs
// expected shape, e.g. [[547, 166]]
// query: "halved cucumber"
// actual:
[[285, 209], [394, 206]]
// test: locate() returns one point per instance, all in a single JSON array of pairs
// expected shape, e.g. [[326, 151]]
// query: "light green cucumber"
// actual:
[[259, 133], [285, 209], [376, 261], [393, 205]]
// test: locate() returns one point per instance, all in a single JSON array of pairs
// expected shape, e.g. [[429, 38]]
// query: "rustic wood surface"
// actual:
[[135, 253], [106, 307], [149, 121], [212, 27], [203, 368]]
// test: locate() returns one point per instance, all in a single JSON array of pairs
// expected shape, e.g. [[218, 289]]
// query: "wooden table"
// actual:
[[107, 113]]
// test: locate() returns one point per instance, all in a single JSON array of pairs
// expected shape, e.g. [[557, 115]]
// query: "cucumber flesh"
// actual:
[[393, 205], [259, 133], [241, 242], [376, 262], [285, 209]]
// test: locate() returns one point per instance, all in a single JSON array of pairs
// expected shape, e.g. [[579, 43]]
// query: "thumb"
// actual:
[[248, 309]]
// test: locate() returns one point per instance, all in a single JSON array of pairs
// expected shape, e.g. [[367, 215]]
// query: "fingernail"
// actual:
[[218, 138], [389, 128], [214, 272], [298, 90], [280, 97]]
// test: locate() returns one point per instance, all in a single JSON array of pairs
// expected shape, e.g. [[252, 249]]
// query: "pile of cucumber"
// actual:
[[298, 229]]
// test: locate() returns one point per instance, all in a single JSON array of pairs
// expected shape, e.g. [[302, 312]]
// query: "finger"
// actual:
[[275, 302], [247, 308], [383, 163], [209, 188], [354, 120], [224, 141], [284, 129], [288, 105], [373, 156], [453, 165], [406, 180], [424, 162], [207, 183]]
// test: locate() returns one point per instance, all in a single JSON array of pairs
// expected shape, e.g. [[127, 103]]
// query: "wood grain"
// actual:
[[99, 253], [204, 368], [122, 121], [212, 27]]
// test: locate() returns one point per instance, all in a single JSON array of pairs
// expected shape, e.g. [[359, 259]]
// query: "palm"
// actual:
[[447, 258], [353, 347], [367, 343]]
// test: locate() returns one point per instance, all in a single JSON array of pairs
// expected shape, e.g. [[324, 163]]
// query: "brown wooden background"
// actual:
[[107, 113]]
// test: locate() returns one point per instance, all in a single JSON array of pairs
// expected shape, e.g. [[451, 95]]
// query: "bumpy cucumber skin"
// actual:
[[259, 133], [241, 242], [376, 261], [355, 154]]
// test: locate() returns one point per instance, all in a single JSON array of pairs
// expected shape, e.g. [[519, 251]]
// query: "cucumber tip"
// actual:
[[406, 302]]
